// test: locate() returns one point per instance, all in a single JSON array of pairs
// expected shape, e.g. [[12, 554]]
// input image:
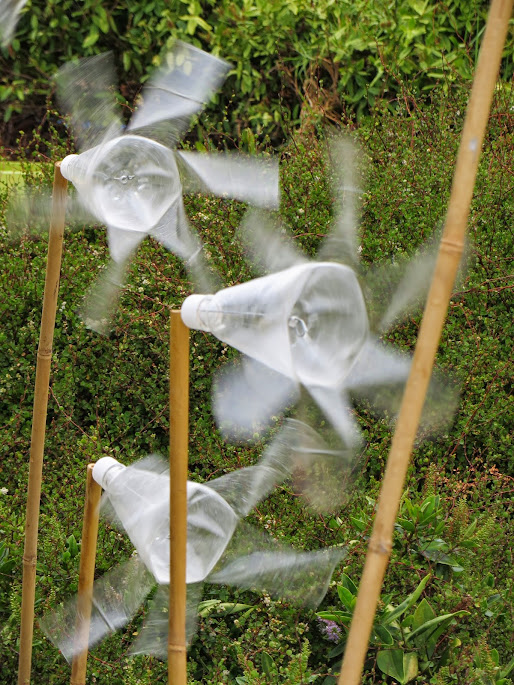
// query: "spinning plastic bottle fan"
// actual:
[[220, 548], [307, 323], [132, 179]]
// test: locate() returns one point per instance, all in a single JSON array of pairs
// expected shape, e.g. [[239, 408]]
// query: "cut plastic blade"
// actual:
[[337, 408], [176, 234], [100, 304], [9, 15], [86, 91], [248, 179], [342, 242], [244, 488], [255, 561], [153, 637], [117, 596], [379, 376], [267, 243], [30, 212], [122, 243], [323, 470], [178, 90], [377, 365], [248, 395], [412, 288]]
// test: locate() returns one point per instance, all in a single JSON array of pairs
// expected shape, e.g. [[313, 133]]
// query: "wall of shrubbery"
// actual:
[[291, 58]]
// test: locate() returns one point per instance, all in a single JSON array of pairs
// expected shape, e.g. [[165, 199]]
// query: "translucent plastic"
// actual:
[[133, 181], [179, 89], [9, 14], [315, 323], [307, 322], [128, 183], [139, 498], [254, 560], [117, 596], [218, 550]]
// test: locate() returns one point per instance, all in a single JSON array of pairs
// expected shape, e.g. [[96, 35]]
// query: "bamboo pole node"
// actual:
[[177, 648], [381, 547], [29, 560], [451, 246]]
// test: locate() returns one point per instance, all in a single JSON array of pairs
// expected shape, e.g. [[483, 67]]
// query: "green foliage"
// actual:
[[292, 61], [109, 396], [406, 643], [296, 671]]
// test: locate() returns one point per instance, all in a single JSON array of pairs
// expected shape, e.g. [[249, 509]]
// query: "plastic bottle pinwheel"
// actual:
[[306, 323], [220, 547], [9, 13], [133, 179]]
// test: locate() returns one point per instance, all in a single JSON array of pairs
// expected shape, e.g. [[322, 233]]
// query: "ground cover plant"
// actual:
[[109, 396]]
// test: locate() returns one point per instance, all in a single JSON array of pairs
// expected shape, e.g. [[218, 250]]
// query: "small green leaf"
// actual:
[[348, 583], [381, 635], [91, 38], [422, 615], [407, 525], [433, 623], [267, 664], [358, 523], [346, 597], [407, 603], [401, 666]]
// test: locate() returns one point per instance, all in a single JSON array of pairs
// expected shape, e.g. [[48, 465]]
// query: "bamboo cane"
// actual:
[[179, 429], [86, 575], [450, 252], [37, 443]]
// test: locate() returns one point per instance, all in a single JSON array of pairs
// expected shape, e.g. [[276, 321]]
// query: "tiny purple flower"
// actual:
[[329, 629]]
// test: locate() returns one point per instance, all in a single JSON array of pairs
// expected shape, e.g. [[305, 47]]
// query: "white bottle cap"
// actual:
[[190, 312], [101, 469], [67, 166]]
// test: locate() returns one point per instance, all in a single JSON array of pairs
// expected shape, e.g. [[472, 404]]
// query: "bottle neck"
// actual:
[[106, 470]]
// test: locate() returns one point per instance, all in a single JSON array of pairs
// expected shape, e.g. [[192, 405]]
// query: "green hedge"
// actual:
[[291, 58]]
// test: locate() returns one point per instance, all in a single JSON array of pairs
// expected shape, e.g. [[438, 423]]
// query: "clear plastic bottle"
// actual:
[[139, 497], [308, 322], [128, 183]]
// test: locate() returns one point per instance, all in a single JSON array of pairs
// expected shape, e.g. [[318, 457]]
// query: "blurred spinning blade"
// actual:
[[250, 559], [86, 90], [255, 561], [117, 597], [9, 14], [248, 397], [140, 193]]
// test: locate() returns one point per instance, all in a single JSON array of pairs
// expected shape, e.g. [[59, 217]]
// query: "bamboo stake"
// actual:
[[86, 575], [37, 444], [450, 252], [179, 430]]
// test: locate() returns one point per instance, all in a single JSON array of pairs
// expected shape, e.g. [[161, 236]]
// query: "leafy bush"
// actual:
[[109, 396], [292, 60]]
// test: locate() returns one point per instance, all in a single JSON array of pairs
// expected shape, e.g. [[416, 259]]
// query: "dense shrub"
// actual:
[[109, 396], [291, 60]]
